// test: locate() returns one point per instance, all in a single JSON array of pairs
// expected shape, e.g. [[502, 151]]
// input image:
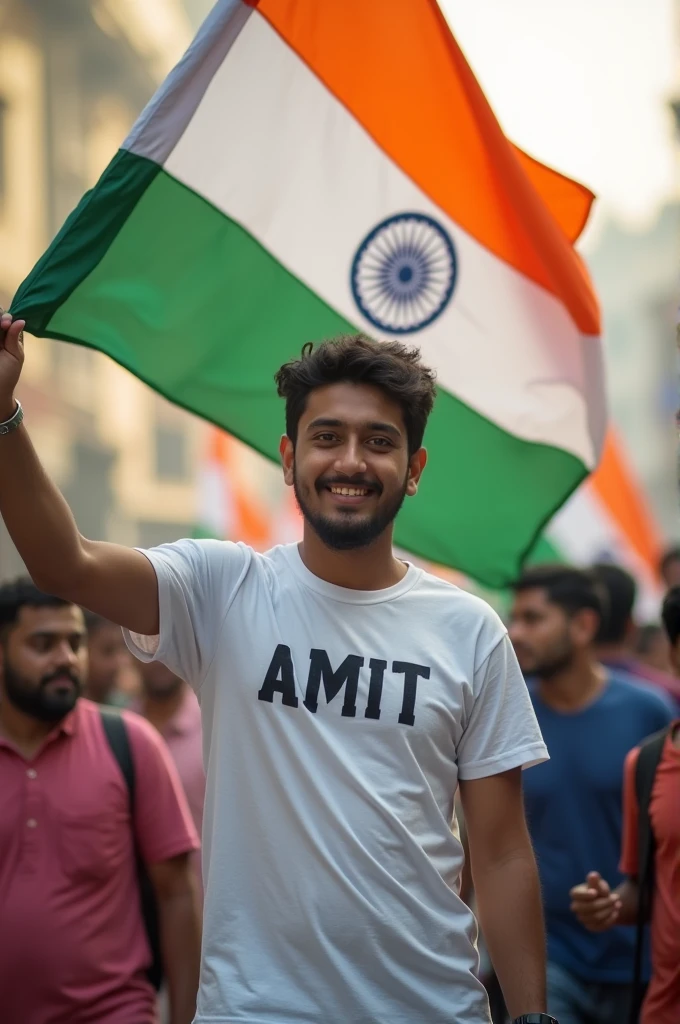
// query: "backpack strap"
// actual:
[[119, 741], [645, 773], [117, 736]]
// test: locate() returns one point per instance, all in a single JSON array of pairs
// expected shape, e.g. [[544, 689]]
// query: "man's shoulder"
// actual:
[[457, 614], [218, 565], [138, 729], [448, 595], [628, 689]]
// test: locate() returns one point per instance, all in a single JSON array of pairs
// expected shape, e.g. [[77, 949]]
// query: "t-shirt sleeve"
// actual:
[[629, 844], [197, 582], [162, 819], [502, 731]]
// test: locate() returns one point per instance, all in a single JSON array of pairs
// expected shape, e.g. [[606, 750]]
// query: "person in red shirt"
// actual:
[[73, 945], [599, 908]]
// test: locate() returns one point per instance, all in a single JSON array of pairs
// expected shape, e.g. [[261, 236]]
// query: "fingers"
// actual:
[[596, 881], [13, 331], [594, 904], [601, 906]]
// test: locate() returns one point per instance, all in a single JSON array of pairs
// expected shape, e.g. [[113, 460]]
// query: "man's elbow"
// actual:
[[66, 579], [501, 852]]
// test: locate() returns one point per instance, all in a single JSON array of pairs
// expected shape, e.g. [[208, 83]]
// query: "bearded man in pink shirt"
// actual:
[[73, 945]]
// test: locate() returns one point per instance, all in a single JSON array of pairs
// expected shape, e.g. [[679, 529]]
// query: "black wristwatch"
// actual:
[[536, 1018]]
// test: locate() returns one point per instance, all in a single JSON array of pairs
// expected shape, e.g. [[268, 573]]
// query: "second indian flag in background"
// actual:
[[314, 167]]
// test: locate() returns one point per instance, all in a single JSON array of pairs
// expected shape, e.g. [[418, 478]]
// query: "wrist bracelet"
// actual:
[[14, 421]]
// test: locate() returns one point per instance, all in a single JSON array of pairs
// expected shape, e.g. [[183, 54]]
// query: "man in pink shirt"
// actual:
[[73, 946], [170, 705]]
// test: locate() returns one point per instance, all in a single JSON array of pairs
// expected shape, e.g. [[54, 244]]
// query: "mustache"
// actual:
[[61, 673], [353, 481]]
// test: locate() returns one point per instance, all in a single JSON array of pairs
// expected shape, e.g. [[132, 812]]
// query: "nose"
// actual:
[[514, 630], [64, 655], [350, 459]]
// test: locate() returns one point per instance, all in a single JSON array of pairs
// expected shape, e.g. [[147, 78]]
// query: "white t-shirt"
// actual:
[[336, 726]]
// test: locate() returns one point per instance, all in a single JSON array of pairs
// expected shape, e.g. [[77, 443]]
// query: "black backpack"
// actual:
[[116, 734], [645, 773]]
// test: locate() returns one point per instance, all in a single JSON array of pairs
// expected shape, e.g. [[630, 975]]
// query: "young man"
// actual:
[[109, 661], [590, 719], [170, 705], [616, 637], [345, 695], [600, 908], [73, 946]]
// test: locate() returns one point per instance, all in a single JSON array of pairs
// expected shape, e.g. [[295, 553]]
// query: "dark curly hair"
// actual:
[[20, 592], [388, 365]]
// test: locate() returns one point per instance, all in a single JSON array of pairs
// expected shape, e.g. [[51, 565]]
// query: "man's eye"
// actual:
[[380, 442], [325, 437]]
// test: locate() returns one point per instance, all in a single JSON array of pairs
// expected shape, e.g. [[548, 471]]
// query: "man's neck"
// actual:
[[160, 712], [24, 732], [373, 567], [614, 652], [575, 687]]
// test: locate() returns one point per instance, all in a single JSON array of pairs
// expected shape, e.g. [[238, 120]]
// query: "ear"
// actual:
[[287, 453], [631, 631], [416, 465], [674, 656], [584, 626]]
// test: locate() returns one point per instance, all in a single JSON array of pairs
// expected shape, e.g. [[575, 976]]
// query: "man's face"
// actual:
[[108, 657], [350, 466], [43, 661], [671, 573], [158, 682], [541, 633]]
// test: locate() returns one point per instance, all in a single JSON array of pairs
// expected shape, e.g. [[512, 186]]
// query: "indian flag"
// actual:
[[313, 167], [608, 519], [227, 507]]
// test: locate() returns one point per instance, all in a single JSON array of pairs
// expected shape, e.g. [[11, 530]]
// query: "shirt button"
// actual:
[[32, 823], [32, 773]]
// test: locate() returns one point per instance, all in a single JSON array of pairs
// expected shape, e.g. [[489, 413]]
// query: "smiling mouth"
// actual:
[[350, 492]]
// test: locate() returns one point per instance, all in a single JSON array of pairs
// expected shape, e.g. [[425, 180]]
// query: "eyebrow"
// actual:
[[50, 634], [384, 428]]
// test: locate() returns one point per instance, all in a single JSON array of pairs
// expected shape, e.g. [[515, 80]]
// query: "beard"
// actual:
[[39, 702], [165, 691], [348, 531], [553, 662]]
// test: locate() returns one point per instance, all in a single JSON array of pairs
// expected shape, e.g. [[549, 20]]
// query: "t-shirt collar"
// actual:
[[344, 594]]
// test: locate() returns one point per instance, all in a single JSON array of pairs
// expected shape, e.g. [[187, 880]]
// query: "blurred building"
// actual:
[[637, 274], [76, 75]]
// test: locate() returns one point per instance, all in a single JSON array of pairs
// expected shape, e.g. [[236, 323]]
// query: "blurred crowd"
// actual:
[[91, 895], [604, 811]]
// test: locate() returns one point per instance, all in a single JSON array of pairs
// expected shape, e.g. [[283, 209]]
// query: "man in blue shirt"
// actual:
[[590, 718]]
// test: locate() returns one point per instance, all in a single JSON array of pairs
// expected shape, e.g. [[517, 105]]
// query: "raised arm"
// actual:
[[116, 582]]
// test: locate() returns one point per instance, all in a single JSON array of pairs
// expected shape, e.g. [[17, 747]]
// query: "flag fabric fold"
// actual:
[[276, 191]]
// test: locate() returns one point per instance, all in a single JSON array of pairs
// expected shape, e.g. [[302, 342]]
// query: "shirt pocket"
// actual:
[[91, 845]]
